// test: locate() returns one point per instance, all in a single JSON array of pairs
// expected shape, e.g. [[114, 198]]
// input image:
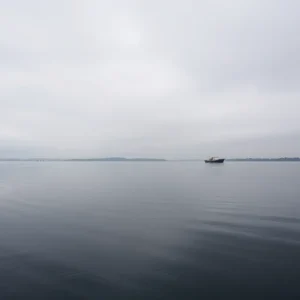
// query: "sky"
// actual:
[[168, 78]]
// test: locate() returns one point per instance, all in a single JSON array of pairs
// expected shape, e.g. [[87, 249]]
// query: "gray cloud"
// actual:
[[149, 78]]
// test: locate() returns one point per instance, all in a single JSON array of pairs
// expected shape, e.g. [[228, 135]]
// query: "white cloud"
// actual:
[[160, 78]]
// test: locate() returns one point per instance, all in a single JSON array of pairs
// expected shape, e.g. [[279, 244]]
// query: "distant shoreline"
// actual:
[[123, 159], [106, 159], [282, 159]]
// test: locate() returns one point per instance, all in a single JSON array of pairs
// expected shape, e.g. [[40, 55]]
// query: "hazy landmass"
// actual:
[[266, 159], [246, 159], [124, 159], [116, 159], [85, 159]]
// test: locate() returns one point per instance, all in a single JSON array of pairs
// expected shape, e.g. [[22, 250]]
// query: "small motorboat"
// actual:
[[215, 160]]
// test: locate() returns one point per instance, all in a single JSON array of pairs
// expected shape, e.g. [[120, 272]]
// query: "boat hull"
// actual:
[[216, 161]]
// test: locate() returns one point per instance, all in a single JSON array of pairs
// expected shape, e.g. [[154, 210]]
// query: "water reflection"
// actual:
[[149, 231]]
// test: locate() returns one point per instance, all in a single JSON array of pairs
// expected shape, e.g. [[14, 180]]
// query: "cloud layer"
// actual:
[[149, 78]]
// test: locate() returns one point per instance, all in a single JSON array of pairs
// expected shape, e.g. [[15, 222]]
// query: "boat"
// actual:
[[215, 160]]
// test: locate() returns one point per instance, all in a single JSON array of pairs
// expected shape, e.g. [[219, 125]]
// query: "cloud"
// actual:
[[160, 78]]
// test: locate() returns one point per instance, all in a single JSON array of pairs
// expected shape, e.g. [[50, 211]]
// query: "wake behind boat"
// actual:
[[215, 160]]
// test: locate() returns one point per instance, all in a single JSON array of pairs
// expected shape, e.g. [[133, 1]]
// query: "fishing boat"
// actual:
[[215, 160]]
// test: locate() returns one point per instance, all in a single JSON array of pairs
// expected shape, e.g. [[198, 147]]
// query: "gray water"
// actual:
[[144, 230]]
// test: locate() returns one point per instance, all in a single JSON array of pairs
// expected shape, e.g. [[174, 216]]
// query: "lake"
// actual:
[[149, 230]]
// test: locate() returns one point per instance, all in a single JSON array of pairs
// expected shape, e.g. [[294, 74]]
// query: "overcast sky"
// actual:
[[167, 78]]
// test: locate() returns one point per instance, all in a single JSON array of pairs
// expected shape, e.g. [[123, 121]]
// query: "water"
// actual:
[[166, 230]]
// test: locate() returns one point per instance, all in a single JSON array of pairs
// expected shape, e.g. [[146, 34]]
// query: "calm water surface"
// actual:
[[166, 230]]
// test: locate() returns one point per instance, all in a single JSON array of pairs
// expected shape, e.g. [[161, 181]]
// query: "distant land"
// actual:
[[245, 159], [265, 159], [120, 159], [116, 159], [124, 159]]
